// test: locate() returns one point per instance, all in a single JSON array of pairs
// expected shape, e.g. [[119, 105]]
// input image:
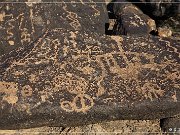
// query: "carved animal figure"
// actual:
[[66, 72]]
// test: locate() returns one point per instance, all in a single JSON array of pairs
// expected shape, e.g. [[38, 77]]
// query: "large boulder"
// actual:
[[73, 74]]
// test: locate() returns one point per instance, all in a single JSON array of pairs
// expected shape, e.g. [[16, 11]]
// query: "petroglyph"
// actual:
[[71, 84], [84, 71], [73, 18], [149, 90], [9, 91], [26, 91], [72, 68], [25, 36], [81, 103], [93, 6], [9, 29], [75, 86], [139, 20], [12, 24]]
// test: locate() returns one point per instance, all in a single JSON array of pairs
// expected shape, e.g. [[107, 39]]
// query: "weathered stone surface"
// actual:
[[139, 17], [69, 76], [18, 26], [159, 9], [22, 23], [171, 124], [131, 20]]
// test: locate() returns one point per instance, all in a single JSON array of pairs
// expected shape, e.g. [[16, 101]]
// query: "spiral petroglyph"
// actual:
[[64, 71], [80, 103]]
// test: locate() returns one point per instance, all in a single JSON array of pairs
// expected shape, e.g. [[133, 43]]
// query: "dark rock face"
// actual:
[[73, 74], [159, 8], [142, 16], [131, 20], [171, 125], [23, 23], [16, 25]]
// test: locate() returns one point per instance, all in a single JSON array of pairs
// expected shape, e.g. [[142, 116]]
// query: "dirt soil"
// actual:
[[125, 127]]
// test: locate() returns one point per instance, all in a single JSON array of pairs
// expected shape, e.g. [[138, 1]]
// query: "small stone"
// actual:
[[164, 32], [11, 42], [151, 24]]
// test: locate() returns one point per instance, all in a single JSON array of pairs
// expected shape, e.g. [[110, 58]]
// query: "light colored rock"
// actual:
[[124, 127]]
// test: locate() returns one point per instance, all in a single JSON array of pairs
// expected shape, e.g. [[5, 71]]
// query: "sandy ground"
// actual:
[[125, 127]]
